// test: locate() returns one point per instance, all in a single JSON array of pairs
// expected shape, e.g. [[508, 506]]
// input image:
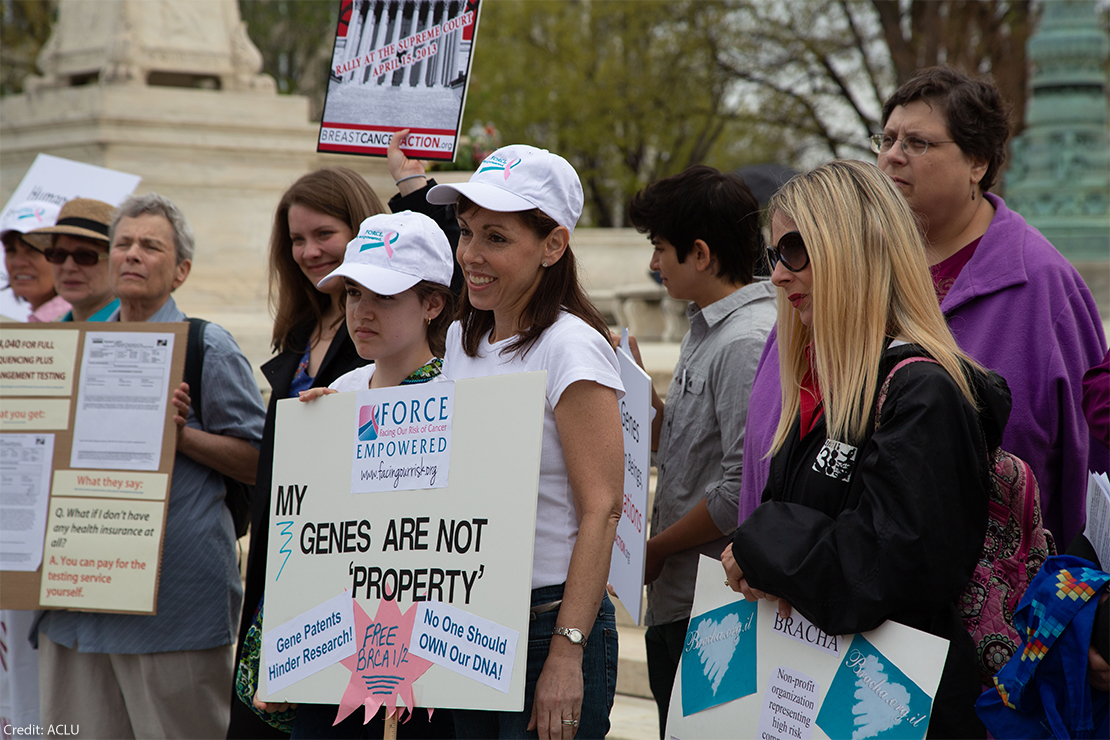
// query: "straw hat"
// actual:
[[82, 217]]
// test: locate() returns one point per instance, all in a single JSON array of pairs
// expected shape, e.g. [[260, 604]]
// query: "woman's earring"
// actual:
[[428, 320], [544, 264]]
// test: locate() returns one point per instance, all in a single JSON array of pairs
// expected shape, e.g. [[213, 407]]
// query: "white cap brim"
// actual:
[[377, 279], [487, 196]]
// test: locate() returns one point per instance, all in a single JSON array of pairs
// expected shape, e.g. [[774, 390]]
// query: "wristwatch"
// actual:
[[571, 633]]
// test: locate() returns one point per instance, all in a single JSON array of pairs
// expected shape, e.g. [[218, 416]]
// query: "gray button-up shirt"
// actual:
[[701, 446]]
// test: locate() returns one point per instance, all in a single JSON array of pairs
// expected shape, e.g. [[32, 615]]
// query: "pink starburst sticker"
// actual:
[[382, 668]]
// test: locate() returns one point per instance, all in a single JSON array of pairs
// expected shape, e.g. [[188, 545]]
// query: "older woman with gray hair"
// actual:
[[123, 675]]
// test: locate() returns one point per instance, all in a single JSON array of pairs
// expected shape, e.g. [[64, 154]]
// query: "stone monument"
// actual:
[[172, 91], [1059, 178]]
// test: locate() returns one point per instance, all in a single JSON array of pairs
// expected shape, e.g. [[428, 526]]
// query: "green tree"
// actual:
[[627, 91], [24, 28], [296, 39], [826, 66]]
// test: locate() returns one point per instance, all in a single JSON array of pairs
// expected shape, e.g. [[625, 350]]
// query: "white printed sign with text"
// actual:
[[783, 677], [626, 566], [463, 546], [402, 438]]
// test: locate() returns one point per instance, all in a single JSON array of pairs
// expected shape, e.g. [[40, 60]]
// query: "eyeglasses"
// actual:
[[791, 252], [83, 257], [914, 146]]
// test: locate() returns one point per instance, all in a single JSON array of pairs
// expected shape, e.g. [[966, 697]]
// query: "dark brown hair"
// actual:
[[559, 290], [334, 191], [437, 328], [703, 203], [977, 117]]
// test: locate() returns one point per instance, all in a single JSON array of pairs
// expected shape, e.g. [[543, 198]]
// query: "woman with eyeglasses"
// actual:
[[29, 275], [873, 510], [78, 256], [1011, 300]]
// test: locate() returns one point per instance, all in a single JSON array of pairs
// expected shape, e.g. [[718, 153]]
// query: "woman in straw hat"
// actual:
[[78, 255]]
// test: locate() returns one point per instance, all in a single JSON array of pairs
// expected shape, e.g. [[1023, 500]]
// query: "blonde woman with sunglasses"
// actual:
[[861, 523]]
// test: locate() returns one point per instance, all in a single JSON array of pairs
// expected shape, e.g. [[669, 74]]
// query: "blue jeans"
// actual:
[[599, 676]]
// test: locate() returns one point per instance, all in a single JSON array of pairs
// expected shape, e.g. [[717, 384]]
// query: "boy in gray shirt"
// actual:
[[704, 227]]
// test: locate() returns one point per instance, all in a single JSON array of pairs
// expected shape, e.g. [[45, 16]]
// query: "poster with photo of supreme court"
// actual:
[[399, 64]]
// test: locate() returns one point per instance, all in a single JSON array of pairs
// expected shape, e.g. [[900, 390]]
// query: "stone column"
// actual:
[[1059, 178], [431, 75]]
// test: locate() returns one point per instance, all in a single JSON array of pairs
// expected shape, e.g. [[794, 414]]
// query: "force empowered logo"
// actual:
[[33, 212], [369, 419], [494, 163], [403, 438], [376, 239]]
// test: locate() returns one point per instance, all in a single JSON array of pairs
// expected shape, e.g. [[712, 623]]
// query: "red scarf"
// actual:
[[810, 402]]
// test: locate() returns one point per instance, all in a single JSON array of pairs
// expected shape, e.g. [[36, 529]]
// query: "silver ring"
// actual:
[[570, 722]]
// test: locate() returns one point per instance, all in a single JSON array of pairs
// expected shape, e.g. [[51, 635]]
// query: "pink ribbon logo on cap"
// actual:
[[35, 213], [498, 163], [375, 239]]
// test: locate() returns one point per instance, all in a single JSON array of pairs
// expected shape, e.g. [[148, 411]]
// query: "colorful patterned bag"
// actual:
[[1015, 546]]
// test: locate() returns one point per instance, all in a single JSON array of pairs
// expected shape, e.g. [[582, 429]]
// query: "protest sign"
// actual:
[[55, 180], [807, 684], [1097, 529], [310, 642], [463, 547], [82, 530], [397, 66], [626, 566], [465, 643], [404, 438]]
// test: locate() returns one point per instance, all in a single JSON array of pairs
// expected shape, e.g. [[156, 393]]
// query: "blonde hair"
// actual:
[[870, 281]]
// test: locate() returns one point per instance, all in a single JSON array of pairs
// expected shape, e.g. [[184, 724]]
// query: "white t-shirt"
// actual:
[[359, 379], [569, 350]]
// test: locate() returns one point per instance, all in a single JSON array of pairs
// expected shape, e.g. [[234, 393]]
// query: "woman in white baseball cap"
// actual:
[[29, 273], [523, 309], [353, 285], [396, 275]]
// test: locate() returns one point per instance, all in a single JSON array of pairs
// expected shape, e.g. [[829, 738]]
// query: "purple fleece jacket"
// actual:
[[1019, 308]]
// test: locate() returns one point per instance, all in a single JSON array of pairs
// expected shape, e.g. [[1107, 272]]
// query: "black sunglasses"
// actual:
[[83, 257], [790, 251]]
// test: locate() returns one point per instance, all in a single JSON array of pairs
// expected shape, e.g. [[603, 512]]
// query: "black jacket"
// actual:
[[894, 533]]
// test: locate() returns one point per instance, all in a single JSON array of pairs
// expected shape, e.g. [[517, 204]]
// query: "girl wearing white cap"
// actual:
[[523, 309], [396, 277]]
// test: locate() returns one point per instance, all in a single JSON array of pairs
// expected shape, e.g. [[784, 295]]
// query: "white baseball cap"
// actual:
[[519, 178], [28, 216], [394, 251]]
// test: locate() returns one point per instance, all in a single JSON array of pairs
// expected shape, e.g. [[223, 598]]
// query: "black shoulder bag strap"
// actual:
[[237, 494]]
